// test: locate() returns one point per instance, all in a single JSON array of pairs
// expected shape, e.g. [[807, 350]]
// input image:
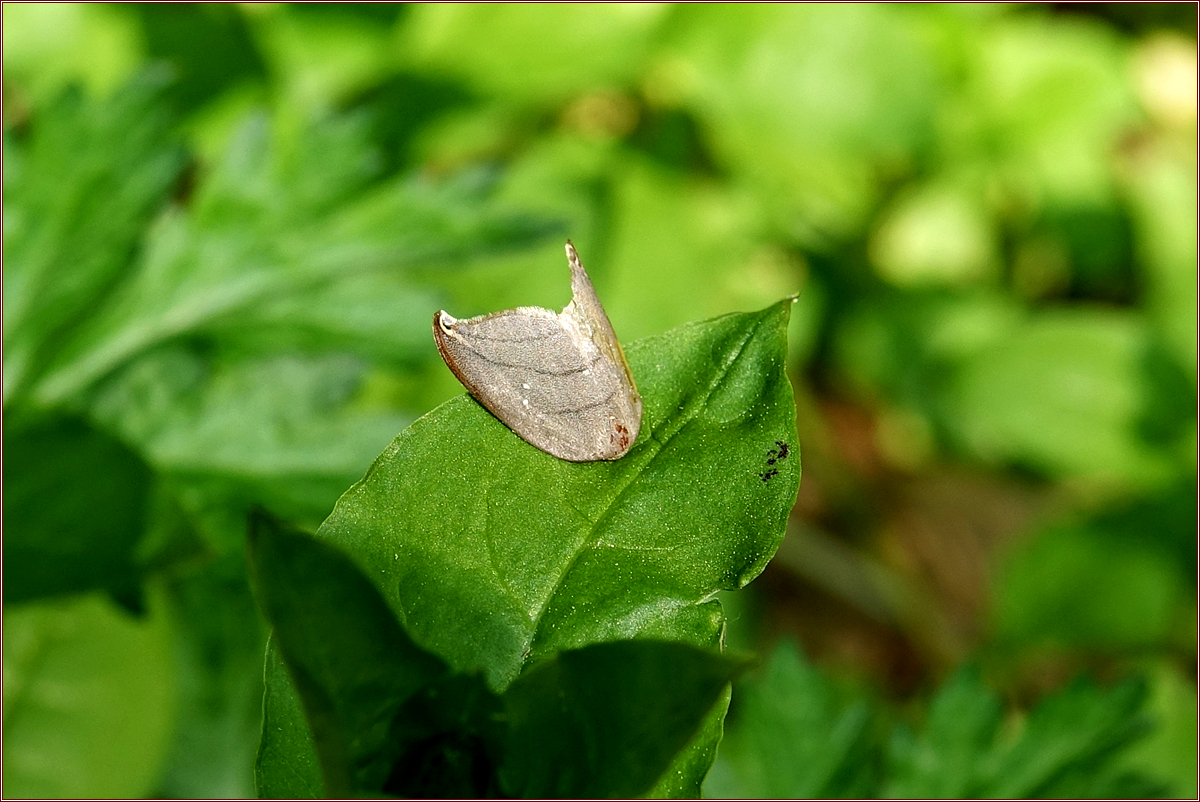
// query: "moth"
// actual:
[[559, 380]]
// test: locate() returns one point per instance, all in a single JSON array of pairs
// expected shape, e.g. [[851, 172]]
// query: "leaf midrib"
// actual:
[[690, 414]]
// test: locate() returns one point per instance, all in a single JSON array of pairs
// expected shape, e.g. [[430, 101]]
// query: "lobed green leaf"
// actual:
[[93, 176], [791, 736]]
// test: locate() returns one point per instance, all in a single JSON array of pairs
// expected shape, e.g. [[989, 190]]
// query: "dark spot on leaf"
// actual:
[[766, 476]]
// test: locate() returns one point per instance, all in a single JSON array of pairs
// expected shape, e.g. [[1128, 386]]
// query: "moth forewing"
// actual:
[[560, 381]]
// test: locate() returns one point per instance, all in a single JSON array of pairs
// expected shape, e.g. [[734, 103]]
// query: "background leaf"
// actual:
[[267, 227], [89, 699], [75, 223], [1099, 591], [789, 735], [603, 721], [1065, 740], [228, 264], [352, 679], [1087, 418], [948, 759], [75, 512], [794, 737], [218, 644]]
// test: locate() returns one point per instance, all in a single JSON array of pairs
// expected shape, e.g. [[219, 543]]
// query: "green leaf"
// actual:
[[1052, 99], [703, 268], [275, 230], [287, 766], [93, 175], [685, 776], [947, 759], [277, 430], [352, 678], [1163, 522], [1067, 746], [47, 48], [802, 99], [1162, 202], [540, 54], [790, 736], [493, 553], [1065, 392], [219, 644], [209, 49], [728, 426], [89, 699], [604, 721], [1169, 751], [1075, 586], [75, 509], [1068, 742], [379, 317]]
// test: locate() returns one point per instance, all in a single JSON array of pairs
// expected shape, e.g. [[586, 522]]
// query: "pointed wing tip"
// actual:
[[443, 323], [580, 281], [572, 254]]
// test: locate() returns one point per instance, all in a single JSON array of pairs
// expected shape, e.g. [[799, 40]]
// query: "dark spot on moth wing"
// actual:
[[620, 437], [768, 475], [783, 449]]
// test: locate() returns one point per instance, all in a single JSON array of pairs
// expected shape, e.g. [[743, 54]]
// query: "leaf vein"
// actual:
[[693, 411]]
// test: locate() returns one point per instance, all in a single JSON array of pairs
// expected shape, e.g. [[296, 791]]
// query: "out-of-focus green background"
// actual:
[[988, 213]]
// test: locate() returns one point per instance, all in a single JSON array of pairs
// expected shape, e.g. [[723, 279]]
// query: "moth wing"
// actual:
[[560, 381]]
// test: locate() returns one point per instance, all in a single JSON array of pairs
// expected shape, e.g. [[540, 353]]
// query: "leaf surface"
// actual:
[[89, 699], [605, 720], [288, 221], [75, 506], [792, 736], [93, 176], [493, 553], [352, 664], [789, 737]]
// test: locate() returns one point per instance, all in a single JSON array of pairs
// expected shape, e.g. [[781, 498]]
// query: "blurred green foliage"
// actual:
[[227, 227], [799, 736]]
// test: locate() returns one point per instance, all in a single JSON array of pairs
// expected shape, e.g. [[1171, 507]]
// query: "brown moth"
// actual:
[[559, 380]]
